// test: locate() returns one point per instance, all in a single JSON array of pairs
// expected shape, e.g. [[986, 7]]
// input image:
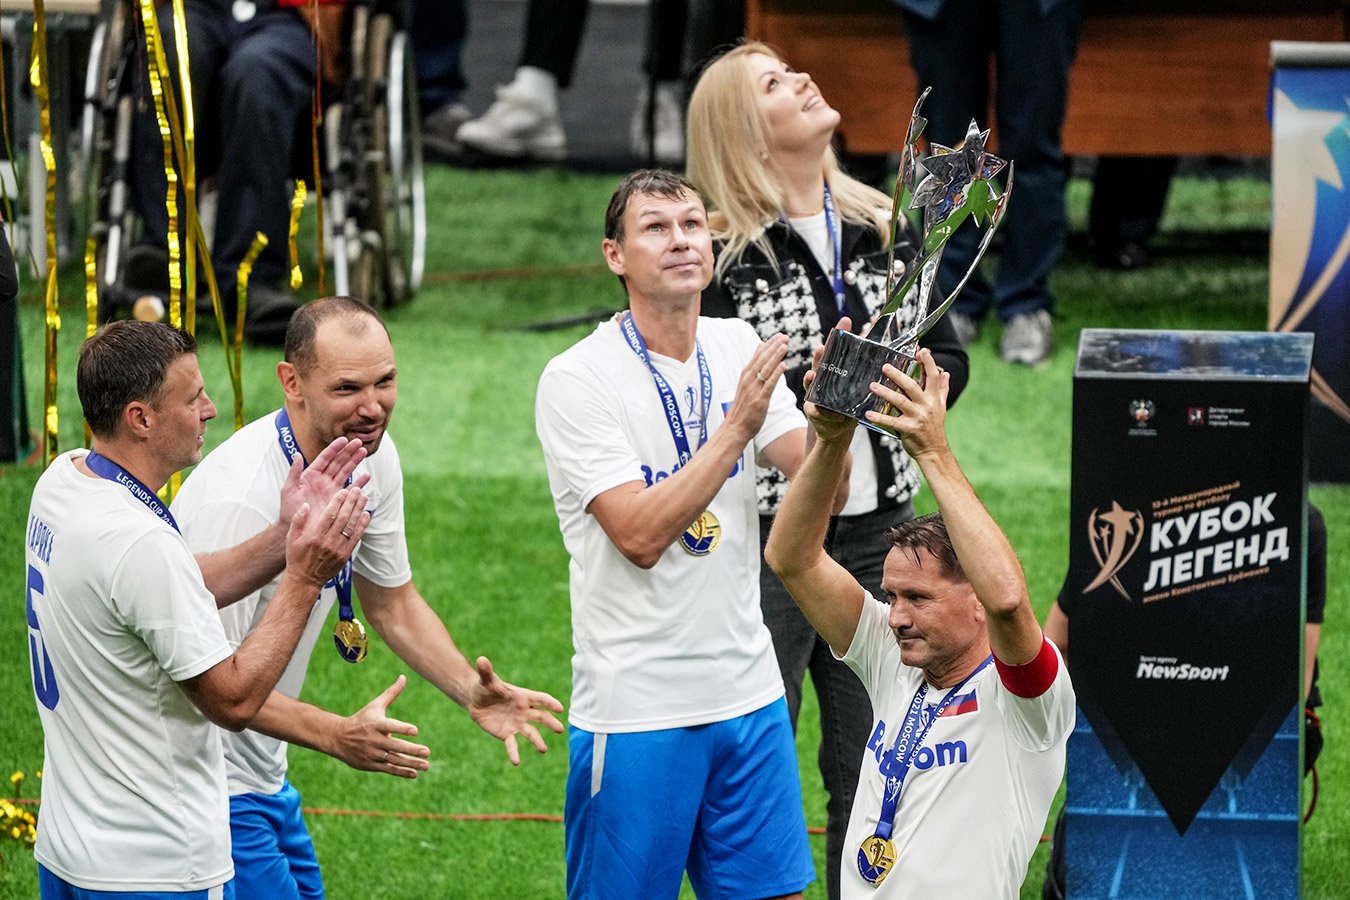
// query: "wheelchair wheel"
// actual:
[[396, 177], [105, 149]]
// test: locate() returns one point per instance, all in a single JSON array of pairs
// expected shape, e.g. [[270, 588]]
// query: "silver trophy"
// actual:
[[949, 186]]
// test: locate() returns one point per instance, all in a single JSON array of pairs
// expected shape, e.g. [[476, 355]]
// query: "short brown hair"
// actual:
[[126, 362], [649, 182], [928, 533], [303, 329]]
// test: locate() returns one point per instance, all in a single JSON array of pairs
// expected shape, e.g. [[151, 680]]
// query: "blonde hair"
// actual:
[[728, 162]]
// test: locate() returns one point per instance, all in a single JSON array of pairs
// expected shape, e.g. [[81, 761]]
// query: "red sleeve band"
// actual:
[[1034, 678]]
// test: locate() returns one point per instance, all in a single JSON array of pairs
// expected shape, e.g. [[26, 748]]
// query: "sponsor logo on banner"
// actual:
[[1142, 411], [1168, 668], [1196, 541], [1195, 415], [1114, 536]]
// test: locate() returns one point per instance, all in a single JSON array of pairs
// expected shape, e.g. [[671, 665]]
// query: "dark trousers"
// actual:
[[1129, 194], [553, 36], [553, 30], [439, 29], [251, 83], [1033, 52], [858, 544]]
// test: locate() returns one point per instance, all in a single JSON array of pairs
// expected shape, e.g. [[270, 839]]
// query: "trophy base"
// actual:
[[849, 364]]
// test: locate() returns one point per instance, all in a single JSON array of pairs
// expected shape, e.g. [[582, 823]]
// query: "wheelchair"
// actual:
[[370, 156]]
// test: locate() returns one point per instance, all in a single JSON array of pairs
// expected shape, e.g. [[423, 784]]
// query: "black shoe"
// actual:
[[268, 313], [147, 268]]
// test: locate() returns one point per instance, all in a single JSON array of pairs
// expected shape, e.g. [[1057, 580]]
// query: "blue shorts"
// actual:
[[53, 887], [273, 854], [722, 801]]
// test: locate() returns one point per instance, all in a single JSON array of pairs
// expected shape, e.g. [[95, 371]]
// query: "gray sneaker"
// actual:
[[967, 328], [516, 127], [668, 123], [1027, 339], [440, 127]]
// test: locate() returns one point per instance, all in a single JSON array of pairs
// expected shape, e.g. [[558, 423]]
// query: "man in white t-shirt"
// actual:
[[340, 381], [130, 663], [682, 755], [965, 757]]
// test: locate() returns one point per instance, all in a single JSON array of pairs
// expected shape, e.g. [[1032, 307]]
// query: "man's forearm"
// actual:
[[645, 522], [233, 574], [988, 559], [417, 635], [798, 535], [264, 654], [294, 722]]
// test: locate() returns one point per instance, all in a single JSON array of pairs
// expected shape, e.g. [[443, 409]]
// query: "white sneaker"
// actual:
[[668, 125], [1027, 339], [516, 126]]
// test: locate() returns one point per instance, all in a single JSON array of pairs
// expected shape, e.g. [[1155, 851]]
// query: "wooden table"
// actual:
[[1152, 78]]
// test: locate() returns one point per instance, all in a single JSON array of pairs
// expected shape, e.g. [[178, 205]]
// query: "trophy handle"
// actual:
[[903, 178]]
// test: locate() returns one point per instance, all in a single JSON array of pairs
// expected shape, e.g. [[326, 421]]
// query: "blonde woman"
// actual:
[[799, 245]]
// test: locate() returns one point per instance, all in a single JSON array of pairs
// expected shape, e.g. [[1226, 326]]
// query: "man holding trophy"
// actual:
[[972, 704], [682, 755]]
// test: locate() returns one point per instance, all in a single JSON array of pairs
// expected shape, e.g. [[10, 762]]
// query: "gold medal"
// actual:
[[350, 639], [702, 536], [876, 858]]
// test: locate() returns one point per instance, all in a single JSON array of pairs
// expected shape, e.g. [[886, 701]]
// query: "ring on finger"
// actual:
[[385, 758], [760, 376], [346, 534]]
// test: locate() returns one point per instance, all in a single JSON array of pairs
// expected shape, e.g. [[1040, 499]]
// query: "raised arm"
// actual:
[[989, 562], [412, 629], [234, 573], [643, 521], [828, 595], [231, 692]]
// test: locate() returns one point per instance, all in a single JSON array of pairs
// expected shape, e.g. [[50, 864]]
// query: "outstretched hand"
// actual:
[[827, 424], [920, 410], [505, 711], [316, 483], [366, 739]]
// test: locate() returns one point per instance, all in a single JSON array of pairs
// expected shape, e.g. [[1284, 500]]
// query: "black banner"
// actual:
[[1184, 587]]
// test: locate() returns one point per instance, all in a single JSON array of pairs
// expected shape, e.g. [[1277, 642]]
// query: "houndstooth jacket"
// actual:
[[797, 299]]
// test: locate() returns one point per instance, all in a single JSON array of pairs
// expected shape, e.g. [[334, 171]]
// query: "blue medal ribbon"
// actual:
[[670, 405], [897, 761], [343, 582], [106, 468], [836, 242]]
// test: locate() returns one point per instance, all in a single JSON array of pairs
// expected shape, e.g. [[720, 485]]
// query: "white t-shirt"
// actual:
[[234, 493], [684, 642], [133, 788], [978, 792], [862, 479]]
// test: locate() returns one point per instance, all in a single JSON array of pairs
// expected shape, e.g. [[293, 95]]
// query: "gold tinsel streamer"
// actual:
[[188, 160], [38, 76], [315, 127], [171, 135], [297, 206], [237, 370], [90, 301]]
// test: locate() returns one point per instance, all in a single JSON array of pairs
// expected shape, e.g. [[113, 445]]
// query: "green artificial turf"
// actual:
[[485, 545]]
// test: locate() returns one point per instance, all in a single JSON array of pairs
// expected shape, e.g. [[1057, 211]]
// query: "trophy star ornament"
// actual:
[[956, 184]]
